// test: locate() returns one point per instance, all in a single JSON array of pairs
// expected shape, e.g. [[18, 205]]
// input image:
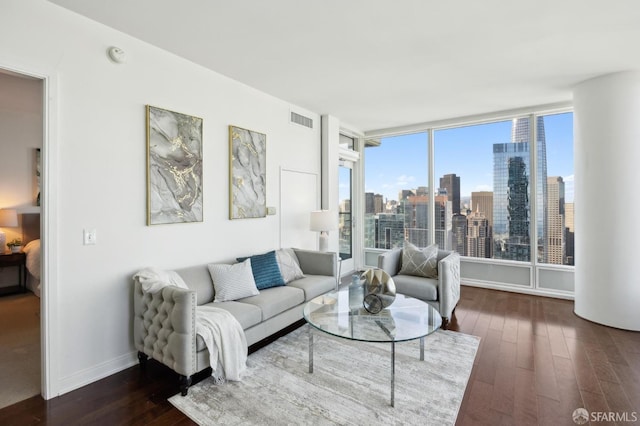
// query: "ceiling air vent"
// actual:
[[301, 120]]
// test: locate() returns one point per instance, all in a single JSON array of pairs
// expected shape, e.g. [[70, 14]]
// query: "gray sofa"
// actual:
[[164, 322], [443, 292]]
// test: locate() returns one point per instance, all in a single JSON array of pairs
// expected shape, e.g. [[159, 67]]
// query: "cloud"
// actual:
[[482, 187], [404, 180], [569, 178]]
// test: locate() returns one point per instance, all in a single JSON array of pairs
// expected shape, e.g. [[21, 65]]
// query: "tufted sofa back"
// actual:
[[198, 278]]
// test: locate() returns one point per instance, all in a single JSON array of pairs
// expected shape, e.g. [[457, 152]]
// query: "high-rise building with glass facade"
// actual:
[[369, 204], [389, 231], [511, 185], [451, 183], [459, 228], [443, 225], [416, 208]]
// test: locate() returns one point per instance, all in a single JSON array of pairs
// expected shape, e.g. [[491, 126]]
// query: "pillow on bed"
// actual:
[[232, 282], [265, 270], [32, 250]]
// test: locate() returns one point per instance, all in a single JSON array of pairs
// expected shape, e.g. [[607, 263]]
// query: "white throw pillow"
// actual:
[[232, 282], [419, 262], [288, 264]]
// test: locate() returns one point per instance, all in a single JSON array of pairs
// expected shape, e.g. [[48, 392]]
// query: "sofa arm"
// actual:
[[165, 327], [390, 261], [449, 284], [317, 263]]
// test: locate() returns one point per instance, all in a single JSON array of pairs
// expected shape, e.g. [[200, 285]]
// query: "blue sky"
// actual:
[[400, 162]]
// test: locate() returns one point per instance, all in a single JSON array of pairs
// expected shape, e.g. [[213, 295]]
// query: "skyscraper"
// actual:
[[369, 206], [451, 183], [482, 201], [555, 221], [416, 222], [443, 225], [569, 241], [511, 207], [478, 241], [459, 228], [378, 204], [389, 231]]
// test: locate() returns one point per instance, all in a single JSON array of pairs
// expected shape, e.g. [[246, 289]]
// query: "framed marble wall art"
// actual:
[[247, 173], [174, 167]]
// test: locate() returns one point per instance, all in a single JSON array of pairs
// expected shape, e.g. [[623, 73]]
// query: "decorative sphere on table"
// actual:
[[379, 290]]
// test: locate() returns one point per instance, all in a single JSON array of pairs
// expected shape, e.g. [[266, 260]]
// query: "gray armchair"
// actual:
[[443, 292]]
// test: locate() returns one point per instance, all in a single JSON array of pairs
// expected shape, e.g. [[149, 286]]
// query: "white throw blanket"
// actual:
[[225, 339], [153, 280], [222, 333]]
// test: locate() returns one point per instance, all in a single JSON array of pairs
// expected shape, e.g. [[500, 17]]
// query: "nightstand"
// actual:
[[19, 260]]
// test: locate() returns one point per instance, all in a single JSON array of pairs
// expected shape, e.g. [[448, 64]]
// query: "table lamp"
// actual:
[[8, 219], [323, 221]]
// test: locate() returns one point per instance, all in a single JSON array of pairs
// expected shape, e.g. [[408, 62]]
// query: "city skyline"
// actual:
[[468, 230], [400, 161]]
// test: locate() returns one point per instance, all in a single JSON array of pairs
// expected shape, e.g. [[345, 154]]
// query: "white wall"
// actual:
[[99, 139]]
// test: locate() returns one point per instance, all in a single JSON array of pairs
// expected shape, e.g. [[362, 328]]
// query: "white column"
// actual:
[[607, 200], [330, 162]]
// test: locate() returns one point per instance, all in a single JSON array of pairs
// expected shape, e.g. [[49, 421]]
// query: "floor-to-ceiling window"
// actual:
[[396, 191], [557, 246], [484, 176], [501, 196]]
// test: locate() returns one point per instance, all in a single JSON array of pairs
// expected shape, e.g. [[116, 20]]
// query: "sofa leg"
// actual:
[[185, 382], [142, 357], [445, 323]]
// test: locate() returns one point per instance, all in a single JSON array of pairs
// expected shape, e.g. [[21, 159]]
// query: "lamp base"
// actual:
[[323, 241]]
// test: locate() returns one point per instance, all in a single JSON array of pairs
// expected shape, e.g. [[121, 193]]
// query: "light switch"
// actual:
[[89, 237]]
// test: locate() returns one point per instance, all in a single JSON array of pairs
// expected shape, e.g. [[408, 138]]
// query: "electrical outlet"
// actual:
[[89, 237]]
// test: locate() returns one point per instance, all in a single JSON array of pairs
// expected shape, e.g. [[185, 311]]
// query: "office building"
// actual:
[[451, 183]]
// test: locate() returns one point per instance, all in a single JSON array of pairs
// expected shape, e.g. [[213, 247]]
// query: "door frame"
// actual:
[[49, 380]]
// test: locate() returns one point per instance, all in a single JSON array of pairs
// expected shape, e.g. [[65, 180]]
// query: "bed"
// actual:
[[31, 247]]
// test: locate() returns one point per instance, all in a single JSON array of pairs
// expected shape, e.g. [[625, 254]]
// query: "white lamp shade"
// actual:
[[8, 218], [323, 220]]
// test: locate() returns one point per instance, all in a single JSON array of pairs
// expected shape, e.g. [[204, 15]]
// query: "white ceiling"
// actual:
[[378, 64]]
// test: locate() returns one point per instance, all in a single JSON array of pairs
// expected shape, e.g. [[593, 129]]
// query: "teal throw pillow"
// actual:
[[266, 272]]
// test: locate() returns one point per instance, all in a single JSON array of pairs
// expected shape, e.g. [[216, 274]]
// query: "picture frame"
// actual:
[[174, 167], [247, 173]]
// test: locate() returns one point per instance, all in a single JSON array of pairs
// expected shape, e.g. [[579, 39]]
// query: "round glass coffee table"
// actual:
[[405, 319]]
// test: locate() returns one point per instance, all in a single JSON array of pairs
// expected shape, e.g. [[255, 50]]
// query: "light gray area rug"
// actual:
[[350, 384]]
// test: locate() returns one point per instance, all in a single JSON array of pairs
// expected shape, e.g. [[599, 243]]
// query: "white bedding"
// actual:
[[32, 251]]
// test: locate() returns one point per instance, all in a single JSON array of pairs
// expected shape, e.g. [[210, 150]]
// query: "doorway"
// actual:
[[23, 115]]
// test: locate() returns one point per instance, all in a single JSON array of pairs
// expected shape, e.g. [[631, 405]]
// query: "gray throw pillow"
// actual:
[[289, 265], [232, 282], [419, 262]]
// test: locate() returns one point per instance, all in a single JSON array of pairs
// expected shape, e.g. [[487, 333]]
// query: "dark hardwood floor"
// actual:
[[536, 364]]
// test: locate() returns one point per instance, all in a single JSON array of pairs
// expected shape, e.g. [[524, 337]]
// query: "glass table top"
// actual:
[[406, 318]]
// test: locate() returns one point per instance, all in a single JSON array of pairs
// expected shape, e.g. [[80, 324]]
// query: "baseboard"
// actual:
[[524, 290], [98, 372]]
